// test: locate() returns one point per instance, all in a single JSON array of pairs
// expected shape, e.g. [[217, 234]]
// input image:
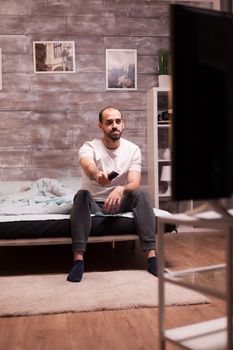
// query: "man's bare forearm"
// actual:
[[129, 187], [89, 168], [91, 171]]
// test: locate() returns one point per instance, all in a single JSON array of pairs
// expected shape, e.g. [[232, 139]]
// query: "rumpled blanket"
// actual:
[[48, 196], [43, 196]]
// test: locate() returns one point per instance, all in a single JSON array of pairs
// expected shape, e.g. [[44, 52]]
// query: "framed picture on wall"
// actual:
[[121, 69], [54, 56]]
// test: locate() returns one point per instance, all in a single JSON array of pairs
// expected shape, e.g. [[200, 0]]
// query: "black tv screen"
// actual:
[[202, 91]]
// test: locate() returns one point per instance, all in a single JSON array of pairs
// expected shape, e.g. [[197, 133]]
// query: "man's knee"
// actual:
[[81, 195], [140, 193]]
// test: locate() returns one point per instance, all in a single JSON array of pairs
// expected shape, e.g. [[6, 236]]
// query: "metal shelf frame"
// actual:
[[208, 218]]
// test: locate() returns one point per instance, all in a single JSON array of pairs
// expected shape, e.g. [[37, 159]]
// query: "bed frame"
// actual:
[[67, 240], [8, 187]]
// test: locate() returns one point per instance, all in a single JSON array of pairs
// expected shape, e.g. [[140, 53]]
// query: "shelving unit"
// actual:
[[159, 153], [214, 334], [157, 141]]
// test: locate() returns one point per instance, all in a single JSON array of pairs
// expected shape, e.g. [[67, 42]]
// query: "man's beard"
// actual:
[[114, 137]]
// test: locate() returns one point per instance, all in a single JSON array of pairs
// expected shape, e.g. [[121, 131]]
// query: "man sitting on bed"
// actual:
[[103, 194]]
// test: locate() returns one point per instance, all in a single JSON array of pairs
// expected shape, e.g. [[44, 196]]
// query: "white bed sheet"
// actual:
[[38, 217], [33, 217]]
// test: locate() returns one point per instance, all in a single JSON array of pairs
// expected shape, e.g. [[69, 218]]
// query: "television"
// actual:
[[202, 102]]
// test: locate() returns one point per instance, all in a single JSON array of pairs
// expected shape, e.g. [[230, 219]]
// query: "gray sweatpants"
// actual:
[[82, 224]]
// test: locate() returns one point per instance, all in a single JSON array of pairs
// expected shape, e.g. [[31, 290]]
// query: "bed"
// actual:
[[38, 212]]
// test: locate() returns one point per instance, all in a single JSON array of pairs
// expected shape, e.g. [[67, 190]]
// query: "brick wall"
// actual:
[[44, 118]]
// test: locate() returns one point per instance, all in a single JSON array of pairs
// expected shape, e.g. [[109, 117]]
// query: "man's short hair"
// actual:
[[108, 107]]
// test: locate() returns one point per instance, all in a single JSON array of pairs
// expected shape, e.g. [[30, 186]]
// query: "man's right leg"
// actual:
[[80, 225]]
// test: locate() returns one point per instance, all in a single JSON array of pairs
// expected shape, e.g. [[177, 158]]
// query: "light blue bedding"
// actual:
[[41, 196], [48, 196]]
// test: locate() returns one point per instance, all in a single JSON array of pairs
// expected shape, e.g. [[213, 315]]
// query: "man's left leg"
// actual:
[[139, 203]]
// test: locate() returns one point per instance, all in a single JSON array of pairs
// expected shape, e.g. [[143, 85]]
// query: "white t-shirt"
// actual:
[[123, 159]]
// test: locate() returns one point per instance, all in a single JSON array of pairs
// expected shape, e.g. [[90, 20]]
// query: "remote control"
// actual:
[[112, 175]]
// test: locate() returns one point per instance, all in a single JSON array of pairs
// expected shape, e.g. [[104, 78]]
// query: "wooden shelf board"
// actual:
[[208, 335]]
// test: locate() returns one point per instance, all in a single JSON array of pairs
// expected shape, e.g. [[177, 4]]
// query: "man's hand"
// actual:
[[102, 178], [113, 201]]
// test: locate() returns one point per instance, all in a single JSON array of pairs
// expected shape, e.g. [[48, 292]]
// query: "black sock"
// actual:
[[152, 265], [76, 272]]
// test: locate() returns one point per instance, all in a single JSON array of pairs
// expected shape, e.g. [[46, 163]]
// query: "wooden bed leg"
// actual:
[[133, 245]]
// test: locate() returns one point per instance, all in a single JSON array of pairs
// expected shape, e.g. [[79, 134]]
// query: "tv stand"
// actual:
[[209, 335]]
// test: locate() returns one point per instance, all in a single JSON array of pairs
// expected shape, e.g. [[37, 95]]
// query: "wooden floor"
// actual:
[[125, 329]]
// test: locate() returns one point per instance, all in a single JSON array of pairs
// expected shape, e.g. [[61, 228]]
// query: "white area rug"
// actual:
[[48, 294]]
